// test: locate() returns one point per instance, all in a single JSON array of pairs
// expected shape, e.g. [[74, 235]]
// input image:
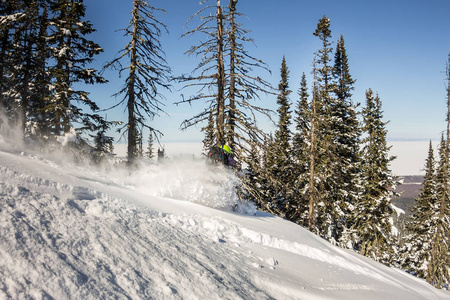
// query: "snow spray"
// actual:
[[189, 180]]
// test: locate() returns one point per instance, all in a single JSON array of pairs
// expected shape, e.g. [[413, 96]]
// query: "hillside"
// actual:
[[408, 191], [166, 231]]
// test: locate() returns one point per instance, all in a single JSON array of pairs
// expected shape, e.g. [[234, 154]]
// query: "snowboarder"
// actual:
[[221, 155]]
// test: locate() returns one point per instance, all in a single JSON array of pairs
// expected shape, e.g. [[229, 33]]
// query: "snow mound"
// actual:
[[72, 232]]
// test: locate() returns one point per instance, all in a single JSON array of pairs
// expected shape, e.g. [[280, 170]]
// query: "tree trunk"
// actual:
[[131, 94], [220, 122], [312, 200], [42, 79], [3, 50], [26, 82], [231, 121]]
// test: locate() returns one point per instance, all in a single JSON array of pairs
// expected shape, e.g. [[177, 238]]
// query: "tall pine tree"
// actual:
[[372, 229], [312, 188], [322, 213], [45, 56], [150, 154], [438, 267], [416, 251], [72, 52], [438, 271], [300, 156], [345, 131], [209, 140], [24, 55], [426, 250], [279, 157]]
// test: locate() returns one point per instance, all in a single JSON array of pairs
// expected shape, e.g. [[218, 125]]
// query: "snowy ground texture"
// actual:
[[69, 231]]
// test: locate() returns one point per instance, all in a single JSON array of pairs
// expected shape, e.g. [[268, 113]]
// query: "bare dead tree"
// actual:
[[225, 81], [147, 72]]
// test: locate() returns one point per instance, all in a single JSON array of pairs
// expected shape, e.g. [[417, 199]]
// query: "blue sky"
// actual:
[[398, 48]]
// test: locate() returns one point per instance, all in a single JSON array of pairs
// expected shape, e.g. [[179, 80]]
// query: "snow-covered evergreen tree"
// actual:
[[312, 188], [416, 251], [209, 139], [283, 133], [279, 157], [327, 211], [438, 267], [150, 153], [45, 55], [22, 64], [426, 251], [12, 18], [71, 54], [346, 133], [253, 177], [258, 179], [438, 271], [8, 16], [372, 229], [323, 58], [301, 156], [103, 142], [302, 123], [39, 123], [253, 170], [23, 54]]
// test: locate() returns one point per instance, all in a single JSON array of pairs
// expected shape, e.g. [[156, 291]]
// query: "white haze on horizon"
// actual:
[[410, 155]]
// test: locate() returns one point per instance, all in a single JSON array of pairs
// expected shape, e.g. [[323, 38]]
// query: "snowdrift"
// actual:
[[69, 231]]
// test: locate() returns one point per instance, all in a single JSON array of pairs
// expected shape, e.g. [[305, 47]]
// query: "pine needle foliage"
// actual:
[[150, 153], [345, 143], [45, 56], [416, 251], [71, 53], [322, 220], [438, 272], [371, 220], [301, 156], [19, 65], [426, 251], [279, 152]]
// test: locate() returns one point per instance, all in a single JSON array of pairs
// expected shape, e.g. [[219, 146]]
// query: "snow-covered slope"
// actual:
[[71, 232]]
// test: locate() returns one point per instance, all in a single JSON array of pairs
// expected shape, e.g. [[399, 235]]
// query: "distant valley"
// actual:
[[408, 190]]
